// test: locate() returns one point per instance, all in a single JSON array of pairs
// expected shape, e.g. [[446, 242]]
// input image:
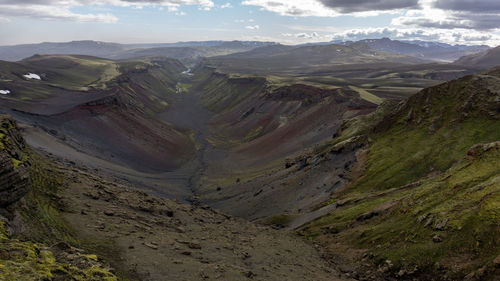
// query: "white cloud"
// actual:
[[331, 8], [243, 21], [227, 5], [451, 14], [443, 14], [457, 36], [293, 7], [54, 13], [252, 27], [62, 9], [303, 35]]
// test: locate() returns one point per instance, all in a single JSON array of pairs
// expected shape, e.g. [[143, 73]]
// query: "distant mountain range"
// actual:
[[192, 52], [120, 51], [421, 49], [277, 58]]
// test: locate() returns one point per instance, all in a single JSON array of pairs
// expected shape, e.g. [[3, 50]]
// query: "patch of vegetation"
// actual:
[[281, 220], [253, 134], [364, 94], [43, 204], [222, 93], [25, 260], [73, 72]]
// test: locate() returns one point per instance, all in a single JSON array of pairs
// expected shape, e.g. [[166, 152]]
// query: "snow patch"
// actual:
[[32, 76], [187, 72], [4, 92]]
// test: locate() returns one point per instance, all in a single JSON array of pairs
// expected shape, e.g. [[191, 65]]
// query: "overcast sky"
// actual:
[[285, 21]]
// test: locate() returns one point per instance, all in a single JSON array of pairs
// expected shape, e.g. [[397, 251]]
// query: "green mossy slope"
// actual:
[[428, 198]]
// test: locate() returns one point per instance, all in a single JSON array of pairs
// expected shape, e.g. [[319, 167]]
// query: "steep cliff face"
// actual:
[[14, 179], [13, 182]]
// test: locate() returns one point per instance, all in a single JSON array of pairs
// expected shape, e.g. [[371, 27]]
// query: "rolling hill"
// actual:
[[189, 52], [486, 59], [191, 55], [276, 57], [90, 48]]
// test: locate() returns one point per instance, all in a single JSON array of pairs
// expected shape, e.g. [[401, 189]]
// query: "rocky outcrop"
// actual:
[[478, 150], [14, 179], [14, 183]]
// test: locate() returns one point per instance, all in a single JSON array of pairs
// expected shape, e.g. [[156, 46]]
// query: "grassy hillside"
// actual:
[[375, 74], [486, 59], [223, 92], [73, 71], [427, 198]]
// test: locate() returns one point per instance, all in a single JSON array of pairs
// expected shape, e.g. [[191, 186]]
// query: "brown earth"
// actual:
[[150, 238]]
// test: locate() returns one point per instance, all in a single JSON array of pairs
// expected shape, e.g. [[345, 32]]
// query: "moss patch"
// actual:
[[33, 261]]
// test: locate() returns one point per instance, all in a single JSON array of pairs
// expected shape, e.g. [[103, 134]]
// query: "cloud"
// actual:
[[458, 36], [243, 21], [452, 14], [442, 14], [349, 6], [302, 35], [54, 13], [227, 5], [484, 6], [252, 27], [293, 7], [331, 8], [62, 9]]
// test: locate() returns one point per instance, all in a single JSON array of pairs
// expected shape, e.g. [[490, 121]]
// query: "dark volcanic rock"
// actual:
[[14, 183]]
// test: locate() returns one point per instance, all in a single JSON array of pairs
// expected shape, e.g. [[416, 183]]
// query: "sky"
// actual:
[[286, 21]]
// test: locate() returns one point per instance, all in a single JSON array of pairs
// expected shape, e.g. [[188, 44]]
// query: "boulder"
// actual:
[[496, 262], [437, 239], [478, 150]]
